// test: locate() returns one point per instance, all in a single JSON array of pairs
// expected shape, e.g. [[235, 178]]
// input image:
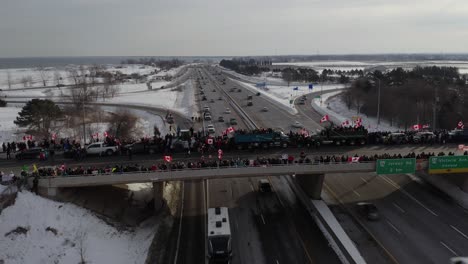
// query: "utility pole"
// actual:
[[434, 108], [378, 102]]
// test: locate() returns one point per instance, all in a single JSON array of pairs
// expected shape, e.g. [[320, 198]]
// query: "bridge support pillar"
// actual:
[[311, 184], [158, 188]]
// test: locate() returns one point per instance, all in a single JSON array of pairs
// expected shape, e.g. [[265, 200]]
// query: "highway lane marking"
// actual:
[[460, 232], [399, 208], [330, 190], [364, 180], [277, 262], [447, 247], [394, 228], [251, 187], [389, 181], [356, 193], [180, 223], [293, 226], [263, 219]]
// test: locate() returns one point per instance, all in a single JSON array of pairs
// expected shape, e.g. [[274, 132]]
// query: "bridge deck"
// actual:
[[204, 173]]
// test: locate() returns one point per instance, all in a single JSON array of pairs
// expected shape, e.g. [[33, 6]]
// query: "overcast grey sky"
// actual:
[[230, 27]]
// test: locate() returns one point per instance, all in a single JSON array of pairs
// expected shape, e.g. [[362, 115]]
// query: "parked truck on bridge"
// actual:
[[340, 137], [261, 139]]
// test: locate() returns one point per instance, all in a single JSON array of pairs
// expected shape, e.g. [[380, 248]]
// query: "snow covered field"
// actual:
[[53, 232]]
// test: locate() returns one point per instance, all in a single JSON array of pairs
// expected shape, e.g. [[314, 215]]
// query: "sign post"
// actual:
[[448, 164], [395, 166]]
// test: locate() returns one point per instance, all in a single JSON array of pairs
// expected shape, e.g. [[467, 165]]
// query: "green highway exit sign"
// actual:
[[395, 166]]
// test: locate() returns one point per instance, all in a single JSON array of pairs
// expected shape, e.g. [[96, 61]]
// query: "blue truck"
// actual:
[[261, 140]]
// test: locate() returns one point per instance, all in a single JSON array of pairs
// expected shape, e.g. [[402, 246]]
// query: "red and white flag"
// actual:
[[324, 119], [304, 132], [417, 127], [54, 136], [460, 125], [354, 159], [220, 154], [168, 158], [209, 141], [230, 129], [461, 147], [62, 167], [345, 123], [106, 134]]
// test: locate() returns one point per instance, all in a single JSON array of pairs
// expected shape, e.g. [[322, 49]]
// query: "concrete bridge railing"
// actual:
[[204, 173]]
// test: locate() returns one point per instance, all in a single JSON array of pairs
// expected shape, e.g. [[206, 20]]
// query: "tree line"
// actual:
[[436, 96], [151, 61]]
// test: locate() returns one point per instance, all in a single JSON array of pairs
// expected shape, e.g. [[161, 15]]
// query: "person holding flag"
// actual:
[[324, 119]]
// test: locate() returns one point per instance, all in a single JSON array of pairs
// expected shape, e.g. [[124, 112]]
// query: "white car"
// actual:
[[227, 111], [101, 148], [210, 129], [297, 124]]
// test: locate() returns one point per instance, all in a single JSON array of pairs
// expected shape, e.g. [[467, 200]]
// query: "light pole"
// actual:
[[378, 102]]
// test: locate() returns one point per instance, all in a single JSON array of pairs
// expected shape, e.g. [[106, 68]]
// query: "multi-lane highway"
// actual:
[[266, 228], [417, 225]]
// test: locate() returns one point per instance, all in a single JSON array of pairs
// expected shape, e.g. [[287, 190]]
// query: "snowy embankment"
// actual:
[[180, 99], [38, 230], [333, 106]]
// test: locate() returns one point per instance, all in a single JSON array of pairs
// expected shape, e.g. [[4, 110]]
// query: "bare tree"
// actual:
[[44, 75], [73, 74], [123, 124], [9, 81], [24, 81], [94, 70], [57, 77]]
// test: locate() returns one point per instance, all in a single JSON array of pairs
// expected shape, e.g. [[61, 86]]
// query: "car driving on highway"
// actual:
[[297, 124], [368, 210]]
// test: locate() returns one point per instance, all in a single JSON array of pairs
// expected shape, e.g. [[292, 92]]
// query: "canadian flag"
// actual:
[[304, 132], [106, 134], [167, 158], [417, 127], [358, 122], [209, 141], [345, 123], [220, 154], [324, 119], [354, 159], [54, 136], [460, 125], [230, 129], [62, 167], [461, 147]]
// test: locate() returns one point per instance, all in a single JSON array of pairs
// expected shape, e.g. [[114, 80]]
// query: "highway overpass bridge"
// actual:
[[309, 176]]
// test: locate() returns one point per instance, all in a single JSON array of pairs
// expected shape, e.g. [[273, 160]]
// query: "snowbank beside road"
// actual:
[[333, 106], [37, 230]]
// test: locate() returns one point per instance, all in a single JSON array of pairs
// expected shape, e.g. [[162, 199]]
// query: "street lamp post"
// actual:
[[378, 102]]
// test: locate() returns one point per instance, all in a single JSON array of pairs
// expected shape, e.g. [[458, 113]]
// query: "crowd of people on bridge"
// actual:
[[196, 141], [204, 163]]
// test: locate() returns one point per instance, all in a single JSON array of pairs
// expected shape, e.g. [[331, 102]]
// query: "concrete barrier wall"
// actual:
[[194, 174]]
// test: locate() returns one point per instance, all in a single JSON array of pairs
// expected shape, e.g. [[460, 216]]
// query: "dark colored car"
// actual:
[[249, 103], [32, 153], [264, 186], [141, 147], [368, 210], [204, 98], [220, 119]]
